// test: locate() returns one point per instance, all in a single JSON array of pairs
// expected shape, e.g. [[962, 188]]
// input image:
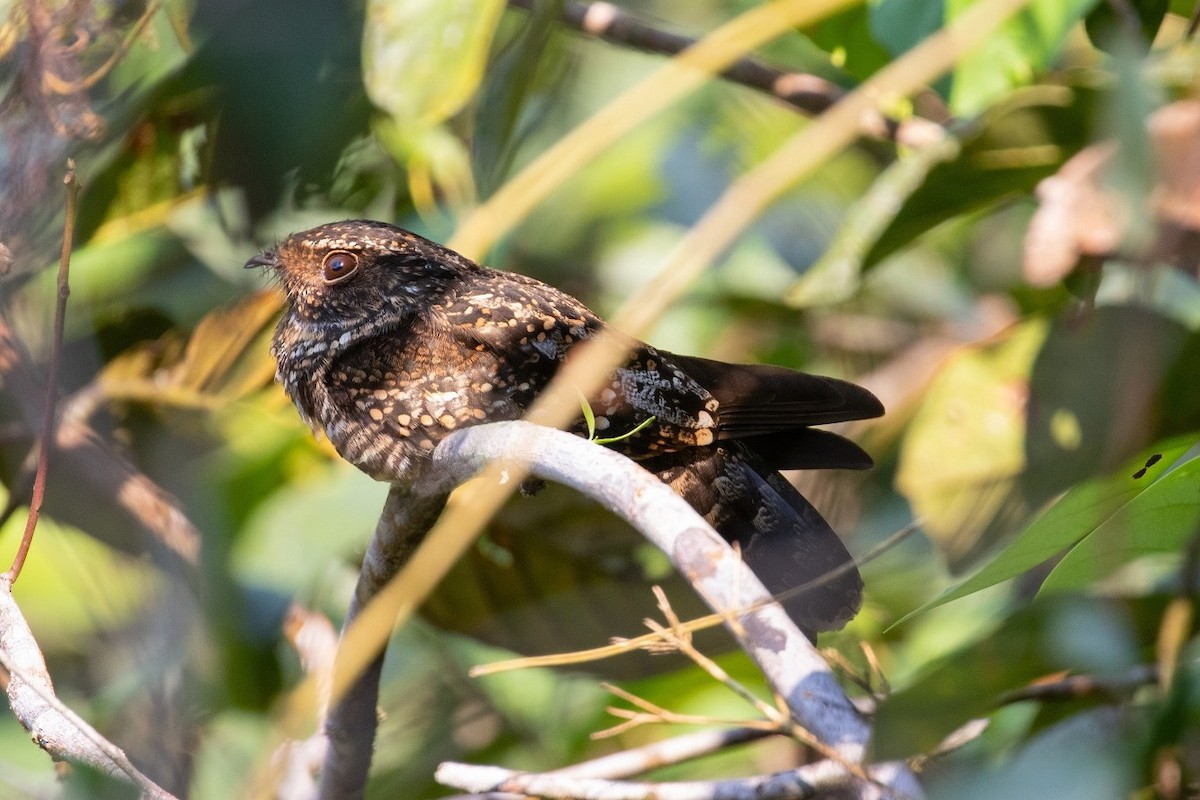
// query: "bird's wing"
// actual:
[[532, 327], [762, 398]]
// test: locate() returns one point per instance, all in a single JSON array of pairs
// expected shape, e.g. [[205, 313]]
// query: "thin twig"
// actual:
[[47, 440], [876, 668], [652, 640], [683, 643], [652, 713], [659, 754], [637, 760], [836, 659], [1074, 687], [779, 717]]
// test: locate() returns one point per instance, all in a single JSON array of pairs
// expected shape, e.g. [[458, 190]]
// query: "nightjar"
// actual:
[[390, 341]]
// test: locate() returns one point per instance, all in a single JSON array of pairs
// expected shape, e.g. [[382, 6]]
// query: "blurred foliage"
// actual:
[[1044, 432]]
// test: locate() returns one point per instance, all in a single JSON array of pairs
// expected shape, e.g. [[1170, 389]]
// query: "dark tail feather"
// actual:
[[783, 539], [808, 448], [761, 398]]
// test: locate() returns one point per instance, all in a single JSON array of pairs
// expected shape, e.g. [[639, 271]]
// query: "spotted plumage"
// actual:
[[389, 342]]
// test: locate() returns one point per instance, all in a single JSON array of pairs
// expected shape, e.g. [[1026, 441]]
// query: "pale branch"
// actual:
[[627, 763], [803, 782], [54, 727], [637, 760], [792, 666], [407, 515]]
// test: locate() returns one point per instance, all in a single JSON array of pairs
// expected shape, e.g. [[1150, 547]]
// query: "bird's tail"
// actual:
[[783, 539]]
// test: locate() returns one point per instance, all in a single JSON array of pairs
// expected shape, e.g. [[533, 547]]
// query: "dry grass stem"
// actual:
[[653, 642]]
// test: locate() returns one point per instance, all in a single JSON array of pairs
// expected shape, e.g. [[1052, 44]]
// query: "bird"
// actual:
[[388, 342]]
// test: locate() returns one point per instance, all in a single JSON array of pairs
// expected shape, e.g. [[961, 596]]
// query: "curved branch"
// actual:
[[54, 727], [791, 665]]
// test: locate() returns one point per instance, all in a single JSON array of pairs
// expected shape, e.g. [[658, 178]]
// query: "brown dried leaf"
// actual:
[[1078, 217]]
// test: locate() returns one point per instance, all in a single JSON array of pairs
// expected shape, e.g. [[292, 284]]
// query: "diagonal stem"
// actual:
[[47, 440]]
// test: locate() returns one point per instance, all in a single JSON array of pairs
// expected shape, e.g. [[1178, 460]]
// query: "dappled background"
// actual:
[[1009, 261]]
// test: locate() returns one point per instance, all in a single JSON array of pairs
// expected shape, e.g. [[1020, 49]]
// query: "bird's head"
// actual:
[[342, 275]]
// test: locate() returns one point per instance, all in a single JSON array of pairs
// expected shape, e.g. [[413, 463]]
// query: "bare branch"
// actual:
[[637, 760], [792, 666], [788, 659], [1073, 687], [804, 782], [659, 754], [407, 515], [794, 669], [47, 438], [54, 727]]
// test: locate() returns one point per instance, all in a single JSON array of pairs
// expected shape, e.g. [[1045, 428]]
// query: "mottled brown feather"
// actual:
[[403, 341]]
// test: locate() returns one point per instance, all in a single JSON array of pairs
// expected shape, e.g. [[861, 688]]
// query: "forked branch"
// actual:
[[794, 669], [56, 729]]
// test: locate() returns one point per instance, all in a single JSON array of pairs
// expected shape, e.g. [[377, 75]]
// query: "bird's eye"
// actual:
[[338, 265]]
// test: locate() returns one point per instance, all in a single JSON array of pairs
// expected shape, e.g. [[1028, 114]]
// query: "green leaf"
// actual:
[[1080, 512], [1067, 633], [900, 25], [849, 39], [589, 416], [423, 59], [1023, 139], [516, 75], [963, 452], [838, 274], [1093, 393], [1014, 55], [1160, 519]]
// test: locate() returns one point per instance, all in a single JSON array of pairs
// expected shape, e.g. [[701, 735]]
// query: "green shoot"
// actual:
[[589, 418], [627, 434]]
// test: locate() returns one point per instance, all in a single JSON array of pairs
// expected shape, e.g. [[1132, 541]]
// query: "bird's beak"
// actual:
[[267, 259]]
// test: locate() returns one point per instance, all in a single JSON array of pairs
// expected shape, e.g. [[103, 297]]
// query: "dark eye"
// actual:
[[339, 264]]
